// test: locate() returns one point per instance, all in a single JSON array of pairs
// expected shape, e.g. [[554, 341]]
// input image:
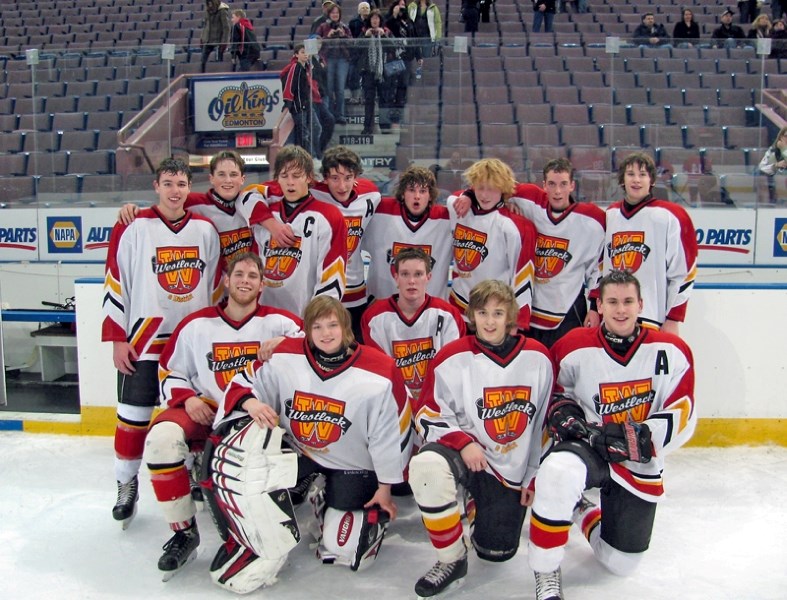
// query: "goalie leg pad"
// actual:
[[239, 570], [250, 475], [352, 538]]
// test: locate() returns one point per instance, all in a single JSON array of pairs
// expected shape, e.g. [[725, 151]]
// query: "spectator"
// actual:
[[484, 7], [326, 6], [357, 25], [245, 49], [687, 30], [760, 28], [727, 34], [215, 30], [543, 12], [297, 92], [775, 162], [650, 35], [428, 23], [778, 9], [372, 74], [324, 117], [748, 10], [779, 37], [470, 15], [402, 28], [337, 58]]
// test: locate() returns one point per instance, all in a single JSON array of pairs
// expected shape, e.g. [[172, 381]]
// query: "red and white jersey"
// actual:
[[493, 244], [391, 230], [357, 212], [656, 242], [473, 395], [569, 248], [341, 419], [652, 384], [314, 265], [234, 232], [156, 274], [208, 348], [413, 342]]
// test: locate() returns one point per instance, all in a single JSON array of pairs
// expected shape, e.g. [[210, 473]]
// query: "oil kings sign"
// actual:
[[236, 103]]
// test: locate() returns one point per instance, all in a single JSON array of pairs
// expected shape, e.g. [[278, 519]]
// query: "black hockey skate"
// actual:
[[126, 506], [441, 578], [178, 552], [549, 586]]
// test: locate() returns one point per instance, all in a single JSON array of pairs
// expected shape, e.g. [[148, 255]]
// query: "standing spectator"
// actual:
[[774, 162], [428, 23], [727, 34], [760, 27], [321, 113], [371, 66], [327, 5], [245, 49], [470, 15], [402, 28], [337, 57], [297, 92], [748, 10], [687, 30], [778, 9], [357, 25], [215, 30], [779, 37], [543, 12], [484, 8], [649, 34]]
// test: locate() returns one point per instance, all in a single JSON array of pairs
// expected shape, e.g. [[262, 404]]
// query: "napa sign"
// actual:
[[243, 102]]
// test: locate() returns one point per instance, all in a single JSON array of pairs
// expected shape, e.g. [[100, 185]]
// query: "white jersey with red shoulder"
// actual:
[[357, 212], [392, 230], [492, 244], [356, 416], [569, 251], [655, 241], [234, 232], [208, 348], [652, 384], [411, 341], [473, 395], [314, 265], [157, 273]]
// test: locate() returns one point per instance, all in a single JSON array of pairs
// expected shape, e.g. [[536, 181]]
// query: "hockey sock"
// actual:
[[130, 432]]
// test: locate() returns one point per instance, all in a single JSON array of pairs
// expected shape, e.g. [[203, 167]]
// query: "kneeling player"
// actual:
[[338, 402], [205, 351], [481, 417], [624, 401]]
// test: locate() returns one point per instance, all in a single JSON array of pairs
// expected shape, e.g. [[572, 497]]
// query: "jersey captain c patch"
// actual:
[[281, 262], [627, 250], [469, 248], [178, 268], [625, 401], [505, 411], [316, 421], [552, 256], [229, 358]]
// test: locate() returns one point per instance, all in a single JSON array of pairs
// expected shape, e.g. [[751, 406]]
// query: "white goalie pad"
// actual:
[[238, 569], [250, 476], [353, 537]]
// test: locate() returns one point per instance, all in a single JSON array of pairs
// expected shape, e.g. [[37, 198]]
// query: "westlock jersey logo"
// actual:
[[178, 269], [625, 401], [229, 358], [505, 411], [354, 232], [235, 242], [780, 237], [412, 358], [552, 256], [281, 262], [64, 235], [469, 248], [243, 106], [628, 250], [316, 421]]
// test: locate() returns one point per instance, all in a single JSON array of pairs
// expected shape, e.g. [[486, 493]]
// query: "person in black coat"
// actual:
[[686, 32]]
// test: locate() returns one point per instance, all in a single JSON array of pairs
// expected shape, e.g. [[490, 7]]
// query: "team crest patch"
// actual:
[[505, 411], [469, 248], [178, 269], [397, 247], [628, 250], [354, 233], [281, 262], [316, 421], [552, 256], [412, 358], [625, 401], [229, 358], [235, 242]]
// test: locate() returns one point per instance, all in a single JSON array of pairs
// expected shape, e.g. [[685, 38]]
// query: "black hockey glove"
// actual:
[[616, 442], [566, 419]]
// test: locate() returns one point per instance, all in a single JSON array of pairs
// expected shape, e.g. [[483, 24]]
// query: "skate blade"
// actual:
[[167, 575], [454, 586], [126, 523]]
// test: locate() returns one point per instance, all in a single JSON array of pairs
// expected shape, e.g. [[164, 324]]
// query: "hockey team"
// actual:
[[547, 374]]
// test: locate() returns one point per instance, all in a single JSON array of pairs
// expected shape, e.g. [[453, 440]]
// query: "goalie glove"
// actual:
[[566, 419], [617, 442]]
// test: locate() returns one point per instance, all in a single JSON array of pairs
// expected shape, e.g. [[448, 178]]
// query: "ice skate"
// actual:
[[126, 506], [549, 586], [441, 578], [179, 551]]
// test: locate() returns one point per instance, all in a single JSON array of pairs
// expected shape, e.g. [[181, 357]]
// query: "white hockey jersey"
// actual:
[[569, 248], [493, 244], [341, 419], [156, 274], [656, 242], [414, 342], [652, 384], [207, 349], [390, 231], [234, 232], [473, 395]]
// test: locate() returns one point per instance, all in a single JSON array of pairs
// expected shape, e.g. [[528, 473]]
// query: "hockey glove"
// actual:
[[616, 442], [566, 419]]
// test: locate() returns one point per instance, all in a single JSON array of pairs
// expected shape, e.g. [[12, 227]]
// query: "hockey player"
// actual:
[[409, 220], [624, 400], [491, 242], [313, 259], [205, 351], [338, 402], [482, 417], [412, 326], [656, 241], [160, 268]]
